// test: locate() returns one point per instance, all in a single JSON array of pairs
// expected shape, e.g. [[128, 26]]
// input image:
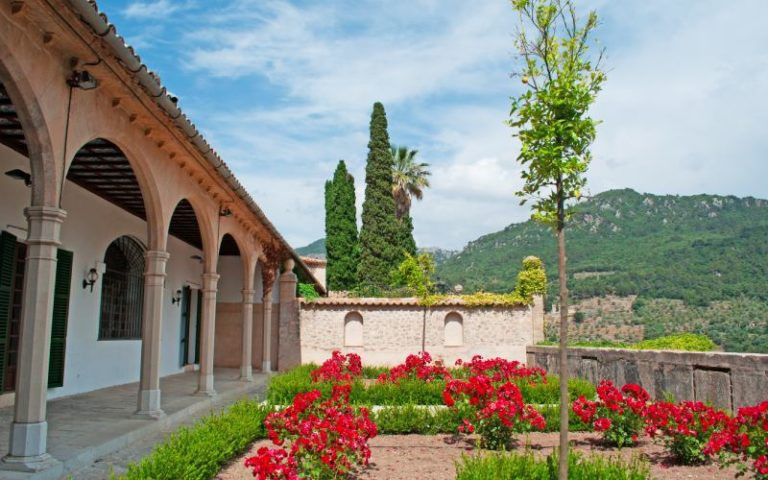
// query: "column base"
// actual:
[[28, 439], [149, 404], [246, 374], [32, 464], [205, 386], [205, 393], [266, 366]]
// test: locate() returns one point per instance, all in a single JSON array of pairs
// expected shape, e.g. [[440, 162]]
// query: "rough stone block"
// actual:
[[713, 387], [678, 380]]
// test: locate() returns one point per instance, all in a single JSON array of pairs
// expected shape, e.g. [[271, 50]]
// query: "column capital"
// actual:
[[46, 213], [210, 280], [160, 255], [156, 261], [44, 225], [248, 295]]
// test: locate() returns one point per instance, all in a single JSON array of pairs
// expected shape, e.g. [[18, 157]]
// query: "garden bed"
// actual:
[[433, 457]]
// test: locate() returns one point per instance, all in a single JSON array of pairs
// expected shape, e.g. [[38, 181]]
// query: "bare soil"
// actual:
[[433, 457]]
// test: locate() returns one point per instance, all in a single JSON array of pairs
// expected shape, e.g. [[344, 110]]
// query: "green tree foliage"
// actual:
[[380, 235], [550, 118], [409, 179], [532, 279], [343, 253], [415, 274]]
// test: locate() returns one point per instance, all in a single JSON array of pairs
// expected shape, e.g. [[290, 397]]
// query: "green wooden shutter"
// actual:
[[7, 265], [59, 320]]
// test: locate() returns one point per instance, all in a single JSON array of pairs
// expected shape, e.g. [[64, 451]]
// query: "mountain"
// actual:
[[314, 249], [440, 255], [698, 249]]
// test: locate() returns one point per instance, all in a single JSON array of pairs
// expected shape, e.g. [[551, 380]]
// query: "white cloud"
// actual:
[[152, 9], [684, 108]]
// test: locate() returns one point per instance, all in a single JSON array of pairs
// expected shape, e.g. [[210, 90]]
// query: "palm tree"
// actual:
[[409, 179]]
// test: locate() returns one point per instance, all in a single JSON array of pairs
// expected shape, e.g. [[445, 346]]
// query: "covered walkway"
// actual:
[[85, 427]]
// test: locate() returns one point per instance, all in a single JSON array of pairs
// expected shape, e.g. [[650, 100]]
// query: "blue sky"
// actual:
[[283, 90]]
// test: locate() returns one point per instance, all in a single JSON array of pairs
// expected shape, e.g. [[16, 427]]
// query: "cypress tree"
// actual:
[[380, 235], [341, 230]]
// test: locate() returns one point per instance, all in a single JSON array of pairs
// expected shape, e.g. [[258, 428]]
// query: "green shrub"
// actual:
[[414, 419], [307, 291], [691, 342], [549, 393], [198, 452], [283, 387], [524, 465]]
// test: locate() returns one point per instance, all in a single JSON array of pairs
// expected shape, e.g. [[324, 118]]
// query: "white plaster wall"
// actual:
[[91, 225], [390, 333], [230, 288]]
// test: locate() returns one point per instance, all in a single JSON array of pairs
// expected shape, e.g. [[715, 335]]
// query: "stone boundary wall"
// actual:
[[393, 328], [728, 380]]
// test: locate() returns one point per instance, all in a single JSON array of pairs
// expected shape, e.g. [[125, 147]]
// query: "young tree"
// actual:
[[342, 250], [555, 131], [380, 235]]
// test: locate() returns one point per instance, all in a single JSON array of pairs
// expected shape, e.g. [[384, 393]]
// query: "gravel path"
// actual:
[[407, 457]]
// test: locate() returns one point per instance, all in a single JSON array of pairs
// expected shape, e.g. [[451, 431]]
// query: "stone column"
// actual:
[[208, 330], [151, 333], [289, 353], [537, 319], [27, 449], [266, 364], [246, 373]]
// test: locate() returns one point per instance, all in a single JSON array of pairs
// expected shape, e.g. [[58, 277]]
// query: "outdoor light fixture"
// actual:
[[20, 175], [82, 79], [197, 257], [225, 212], [176, 298], [90, 278]]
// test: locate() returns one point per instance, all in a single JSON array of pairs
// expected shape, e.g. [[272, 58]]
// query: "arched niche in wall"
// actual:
[[353, 330], [453, 330]]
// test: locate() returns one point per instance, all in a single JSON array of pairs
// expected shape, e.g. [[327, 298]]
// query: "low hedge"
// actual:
[[413, 419], [525, 465], [283, 387], [687, 342], [200, 451]]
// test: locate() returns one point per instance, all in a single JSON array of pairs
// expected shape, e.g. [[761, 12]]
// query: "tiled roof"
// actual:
[[389, 302]]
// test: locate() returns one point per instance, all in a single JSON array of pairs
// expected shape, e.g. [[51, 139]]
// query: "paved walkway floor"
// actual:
[[89, 432]]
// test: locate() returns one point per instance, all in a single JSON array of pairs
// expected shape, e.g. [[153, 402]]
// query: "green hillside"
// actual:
[[697, 249], [314, 249]]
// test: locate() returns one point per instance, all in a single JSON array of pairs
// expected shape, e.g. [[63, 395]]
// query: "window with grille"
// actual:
[[122, 291]]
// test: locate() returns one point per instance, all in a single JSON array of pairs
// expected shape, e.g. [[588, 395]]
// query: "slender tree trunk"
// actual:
[[563, 470]]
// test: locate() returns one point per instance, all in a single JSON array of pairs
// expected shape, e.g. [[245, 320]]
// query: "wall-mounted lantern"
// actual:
[[90, 278], [176, 298]]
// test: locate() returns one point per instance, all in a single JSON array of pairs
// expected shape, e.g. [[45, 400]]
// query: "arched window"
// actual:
[[454, 330], [122, 291], [353, 330]]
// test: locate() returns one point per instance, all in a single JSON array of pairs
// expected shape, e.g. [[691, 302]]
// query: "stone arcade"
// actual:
[[124, 235]]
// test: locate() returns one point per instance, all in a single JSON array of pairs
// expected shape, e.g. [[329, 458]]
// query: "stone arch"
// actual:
[[44, 168], [353, 329], [453, 330], [206, 229], [140, 171]]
